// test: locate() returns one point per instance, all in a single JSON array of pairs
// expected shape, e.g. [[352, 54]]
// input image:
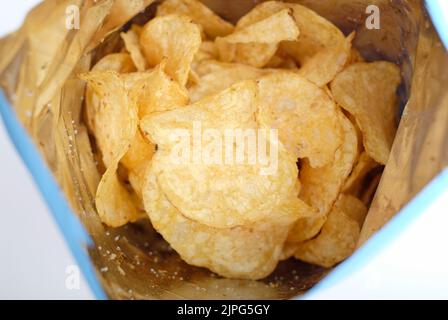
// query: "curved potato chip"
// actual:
[[139, 152], [281, 61], [173, 38], [212, 24], [363, 166], [368, 92], [120, 62], [323, 67], [355, 56], [278, 27], [115, 128], [256, 54], [132, 44], [353, 208], [137, 178], [220, 194], [157, 91], [316, 33], [151, 86], [305, 116], [307, 226], [207, 51], [338, 237], [250, 252], [224, 77], [255, 41], [321, 186]]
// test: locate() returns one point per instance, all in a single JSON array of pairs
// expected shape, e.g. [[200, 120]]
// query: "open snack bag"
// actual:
[[228, 149]]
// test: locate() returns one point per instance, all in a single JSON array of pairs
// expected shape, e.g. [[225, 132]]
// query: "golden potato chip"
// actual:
[[275, 28], [114, 115], [355, 56], [257, 54], [354, 183], [116, 123], [212, 24], [281, 61], [140, 152], [137, 178], [223, 192], [255, 41], [338, 237], [368, 92], [151, 86], [120, 62], [173, 38], [305, 116], [158, 92], [321, 186], [353, 208], [207, 51], [116, 206], [132, 44], [224, 77], [316, 33], [137, 29], [205, 67], [307, 226], [323, 67], [250, 252]]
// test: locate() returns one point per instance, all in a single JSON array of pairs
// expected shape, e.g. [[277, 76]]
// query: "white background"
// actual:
[[34, 256]]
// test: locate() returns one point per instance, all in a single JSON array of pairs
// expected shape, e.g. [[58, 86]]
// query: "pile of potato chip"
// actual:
[[281, 66]]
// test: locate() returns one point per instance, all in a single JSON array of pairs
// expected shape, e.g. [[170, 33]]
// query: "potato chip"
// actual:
[[307, 226], [353, 208], [158, 92], [250, 252], [355, 56], [132, 44], [323, 67], [150, 87], [116, 123], [256, 41], [316, 34], [120, 62], [275, 28], [281, 61], [321, 186], [354, 183], [140, 152], [173, 38], [338, 237], [220, 194], [212, 24], [224, 77], [368, 92], [136, 178], [207, 51], [305, 116]]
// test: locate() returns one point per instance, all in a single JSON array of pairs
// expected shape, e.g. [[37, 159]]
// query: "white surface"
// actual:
[[33, 253]]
